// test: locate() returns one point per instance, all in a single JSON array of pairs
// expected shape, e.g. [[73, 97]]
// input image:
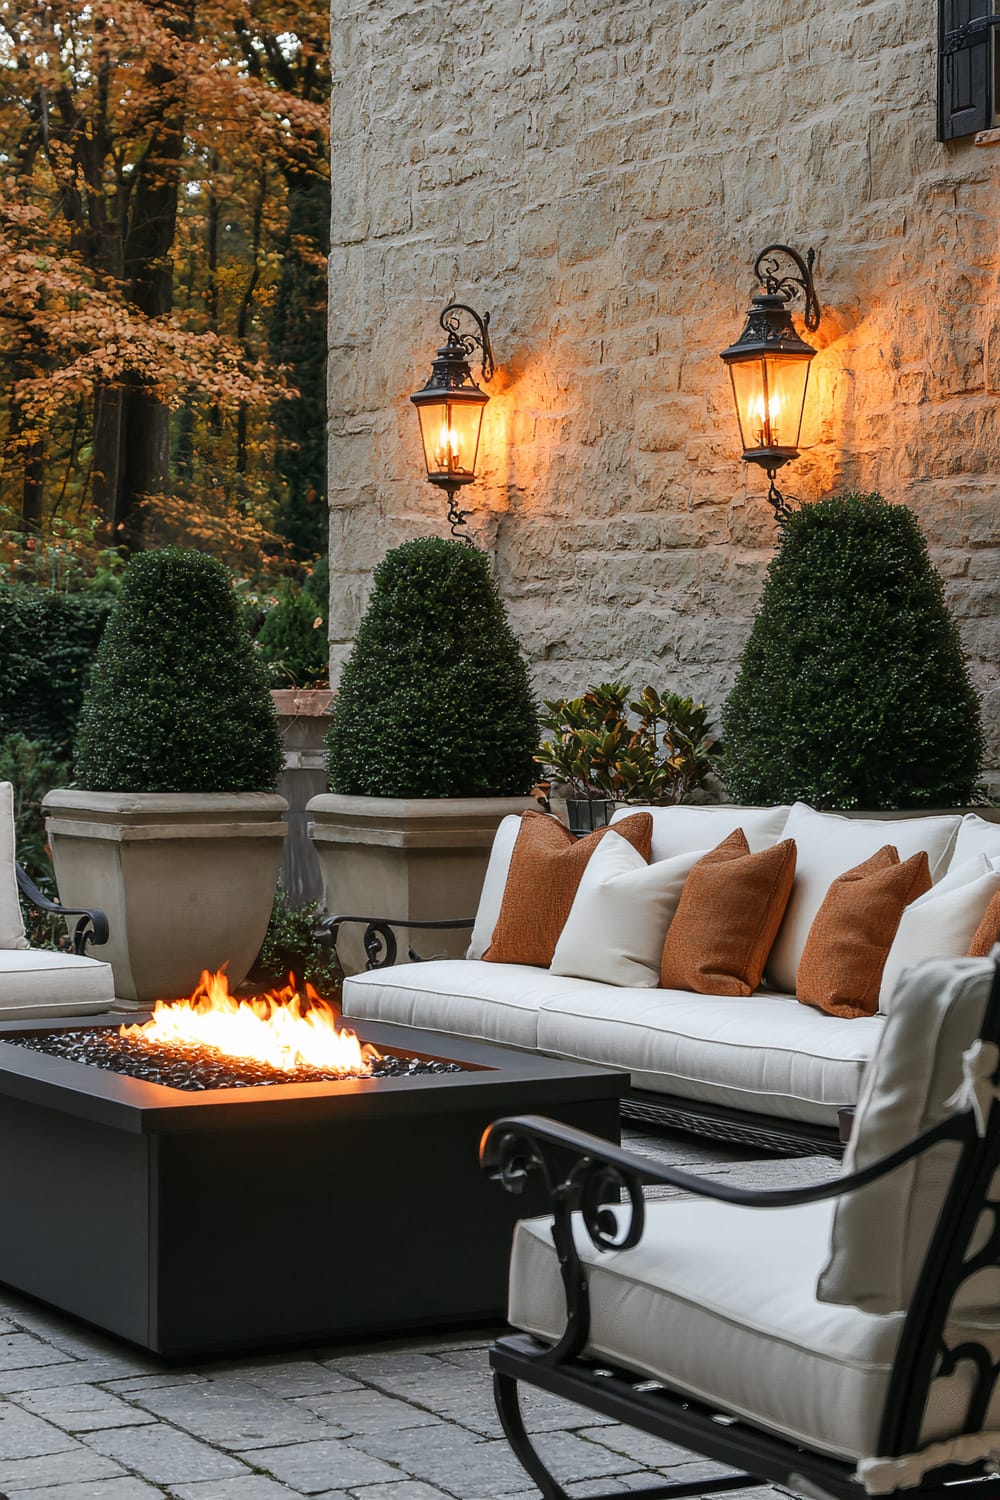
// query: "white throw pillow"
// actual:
[[826, 845], [11, 921], [619, 918], [494, 885], [942, 922], [976, 835], [680, 829]]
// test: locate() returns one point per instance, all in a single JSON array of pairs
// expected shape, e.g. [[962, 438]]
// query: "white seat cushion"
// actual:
[[684, 828], [11, 921], [827, 845], [976, 835], [718, 1301], [34, 982], [491, 1002], [762, 1052]]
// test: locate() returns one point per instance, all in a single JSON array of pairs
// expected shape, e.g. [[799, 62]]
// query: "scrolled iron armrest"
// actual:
[[380, 941], [587, 1175], [92, 926]]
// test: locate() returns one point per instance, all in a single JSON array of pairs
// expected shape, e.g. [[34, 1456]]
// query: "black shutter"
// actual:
[[965, 67]]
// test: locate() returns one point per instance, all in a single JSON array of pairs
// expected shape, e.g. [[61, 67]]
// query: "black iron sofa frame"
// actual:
[[586, 1175], [91, 926]]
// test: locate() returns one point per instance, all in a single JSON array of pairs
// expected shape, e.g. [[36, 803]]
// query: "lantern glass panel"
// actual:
[[770, 393], [450, 433]]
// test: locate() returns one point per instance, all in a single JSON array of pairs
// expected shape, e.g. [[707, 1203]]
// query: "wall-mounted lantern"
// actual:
[[450, 407], [769, 365]]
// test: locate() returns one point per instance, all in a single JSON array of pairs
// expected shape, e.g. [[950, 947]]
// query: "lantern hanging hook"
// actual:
[[451, 322], [767, 269]]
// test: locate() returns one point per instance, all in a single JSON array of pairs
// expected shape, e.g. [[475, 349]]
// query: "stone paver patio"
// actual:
[[83, 1417]]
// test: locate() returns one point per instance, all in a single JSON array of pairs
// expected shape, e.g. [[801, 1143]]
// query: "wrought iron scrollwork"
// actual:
[[91, 926], [451, 322], [379, 939], [767, 269]]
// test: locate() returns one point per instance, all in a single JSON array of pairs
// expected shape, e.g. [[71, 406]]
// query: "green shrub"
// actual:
[[293, 640], [178, 700], [47, 644], [290, 947], [434, 701], [853, 690]]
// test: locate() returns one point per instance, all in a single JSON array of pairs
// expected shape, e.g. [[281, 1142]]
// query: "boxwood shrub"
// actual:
[[853, 691], [47, 644], [434, 700], [178, 699]]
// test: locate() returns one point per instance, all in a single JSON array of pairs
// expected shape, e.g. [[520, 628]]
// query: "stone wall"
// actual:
[[599, 175]]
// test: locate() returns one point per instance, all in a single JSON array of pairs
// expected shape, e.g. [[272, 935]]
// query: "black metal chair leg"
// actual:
[[509, 1411]]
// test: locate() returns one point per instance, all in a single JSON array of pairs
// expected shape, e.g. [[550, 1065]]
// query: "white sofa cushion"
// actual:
[[976, 835], [491, 1002], [718, 1301], [11, 921], [620, 914], [881, 1232], [34, 982], [827, 845], [942, 922], [684, 828], [763, 1053]]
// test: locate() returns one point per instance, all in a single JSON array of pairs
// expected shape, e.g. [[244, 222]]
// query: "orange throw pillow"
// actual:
[[841, 965], [988, 931], [727, 918], [545, 870]]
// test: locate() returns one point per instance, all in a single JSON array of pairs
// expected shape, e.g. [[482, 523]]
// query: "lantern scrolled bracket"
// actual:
[[767, 269], [469, 342]]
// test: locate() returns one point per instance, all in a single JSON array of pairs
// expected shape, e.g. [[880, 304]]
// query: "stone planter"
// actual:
[[303, 717], [419, 858], [187, 879]]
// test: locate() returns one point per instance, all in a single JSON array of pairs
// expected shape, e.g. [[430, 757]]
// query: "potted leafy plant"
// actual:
[[431, 742], [173, 827], [663, 754], [853, 691]]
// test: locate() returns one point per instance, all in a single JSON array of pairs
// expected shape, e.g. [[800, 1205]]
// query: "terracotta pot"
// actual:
[[187, 879]]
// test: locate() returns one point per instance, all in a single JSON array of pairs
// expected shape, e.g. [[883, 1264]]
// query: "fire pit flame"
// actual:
[[284, 1028]]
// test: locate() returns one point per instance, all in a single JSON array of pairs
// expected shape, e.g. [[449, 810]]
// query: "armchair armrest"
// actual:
[[587, 1175], [380, 941], [92, 926]]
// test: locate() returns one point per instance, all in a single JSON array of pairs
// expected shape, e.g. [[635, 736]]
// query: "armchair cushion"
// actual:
[[719, 1302], [11, 921], [881, 1232], [35, 982]]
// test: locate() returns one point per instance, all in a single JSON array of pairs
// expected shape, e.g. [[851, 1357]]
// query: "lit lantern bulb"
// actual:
[[446, 453], [765, 414]]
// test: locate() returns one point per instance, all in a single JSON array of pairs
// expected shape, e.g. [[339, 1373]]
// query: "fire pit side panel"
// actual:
[[74, 1207]]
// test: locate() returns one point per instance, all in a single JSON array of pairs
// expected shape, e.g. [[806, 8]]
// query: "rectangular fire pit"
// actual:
[[202, 1223]]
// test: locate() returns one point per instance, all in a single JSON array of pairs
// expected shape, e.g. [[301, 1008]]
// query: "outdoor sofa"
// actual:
[[759, 1067]]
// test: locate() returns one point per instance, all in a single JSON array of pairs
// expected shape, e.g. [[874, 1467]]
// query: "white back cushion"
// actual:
[[942, 922], [620, 915], [681, 829], [11, 922], [827, 845], [976, 836], [881, 1232], [491, 896]]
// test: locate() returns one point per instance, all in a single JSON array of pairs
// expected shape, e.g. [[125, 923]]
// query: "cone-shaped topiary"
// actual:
[[852, 690], [434, 701], [178, 699]]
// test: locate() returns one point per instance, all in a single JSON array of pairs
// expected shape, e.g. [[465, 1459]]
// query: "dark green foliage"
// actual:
[[293, 640], [178, 701], [434, 701], [47, 643], [290, 947], [853, 690]]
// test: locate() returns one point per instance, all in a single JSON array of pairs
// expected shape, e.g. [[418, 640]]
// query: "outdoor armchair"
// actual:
[[841, 1339]]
